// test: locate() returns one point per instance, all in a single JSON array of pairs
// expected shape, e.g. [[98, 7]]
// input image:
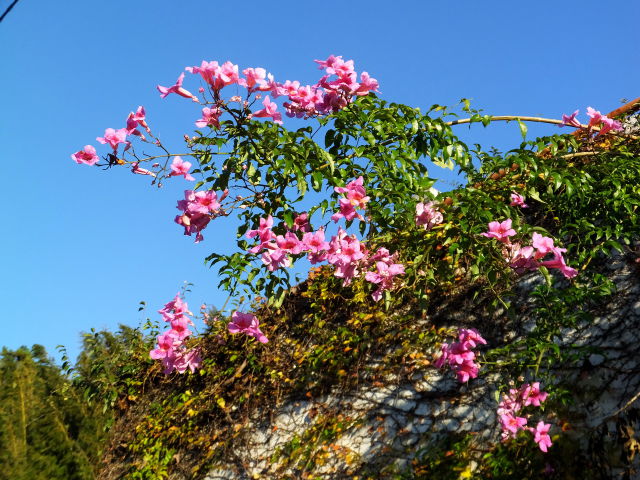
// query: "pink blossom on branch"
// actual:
[[181, 168], [210, 118], [559, 263], [247, 324], [501, 231], [459, 355], [87, 155], [269, 110], [114, 137], [570, 120], [541, 435], [428, 215], [356, 197], [177, 89], [608, 124], [517, 200], [511, 406], [255, 79], [140, 117], [198, 209], [135, 168], [301, 223]]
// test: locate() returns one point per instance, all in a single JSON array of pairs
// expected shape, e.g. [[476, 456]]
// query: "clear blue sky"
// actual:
[[81, 247]]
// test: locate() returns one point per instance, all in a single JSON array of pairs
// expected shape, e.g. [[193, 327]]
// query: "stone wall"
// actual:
[[380, 428]]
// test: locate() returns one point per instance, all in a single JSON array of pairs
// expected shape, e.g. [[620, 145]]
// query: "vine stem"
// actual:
[[508, 118]]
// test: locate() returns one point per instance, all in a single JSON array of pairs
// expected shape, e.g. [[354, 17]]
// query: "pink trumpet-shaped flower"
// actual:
[[570, 120], [114, 137], [87, 156], [269, 110], [141, 171], [177, 89], [517, 200], [165, 346], [187, 359], [608, 124], [247, 324], [501, 231], [181, 168], [210, 118], [428, 215], [541, 435], [559, 263]]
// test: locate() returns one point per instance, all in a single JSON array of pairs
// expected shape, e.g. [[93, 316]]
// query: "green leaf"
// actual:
[[523, 129]]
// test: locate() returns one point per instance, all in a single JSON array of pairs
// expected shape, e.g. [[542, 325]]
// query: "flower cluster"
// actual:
[[327, 95], [510, 414], [114, 138], [356, 197], [529, 258], [197, 210], [460, 355], [345, 252], [171, 349], [247, 324], [604, 123], [428, 215], [331, 93]]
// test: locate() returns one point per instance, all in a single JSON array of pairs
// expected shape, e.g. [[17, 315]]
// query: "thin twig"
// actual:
[[508, 118]]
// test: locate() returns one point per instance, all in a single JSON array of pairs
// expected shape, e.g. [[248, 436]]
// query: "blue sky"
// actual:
[[81, 247]]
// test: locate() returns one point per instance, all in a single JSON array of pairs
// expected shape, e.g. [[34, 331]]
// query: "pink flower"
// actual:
[[140, 117], [180, 327], [175, 307], [521, 259], [559, 263], [197, 208], [269, 110], [517, 200], [87, 156], [542, 244], [255, 79], [501, 231], [187, 359], [595, 115], [466, 371], [290, 243], [210, 118], [227, 74], [367, 84], [532, 394], [470, 338], [165, 346], [608, 123], [541, 435], [141, 171], [428, 215], [264, 234], [459, 355], [114, 137], [512, 424], [275, 258], [384, 277], [356, 198], [570, 120], [301, 222], [247, 324], [177, 88], [180, 167], [207, 71], [316, 245]]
